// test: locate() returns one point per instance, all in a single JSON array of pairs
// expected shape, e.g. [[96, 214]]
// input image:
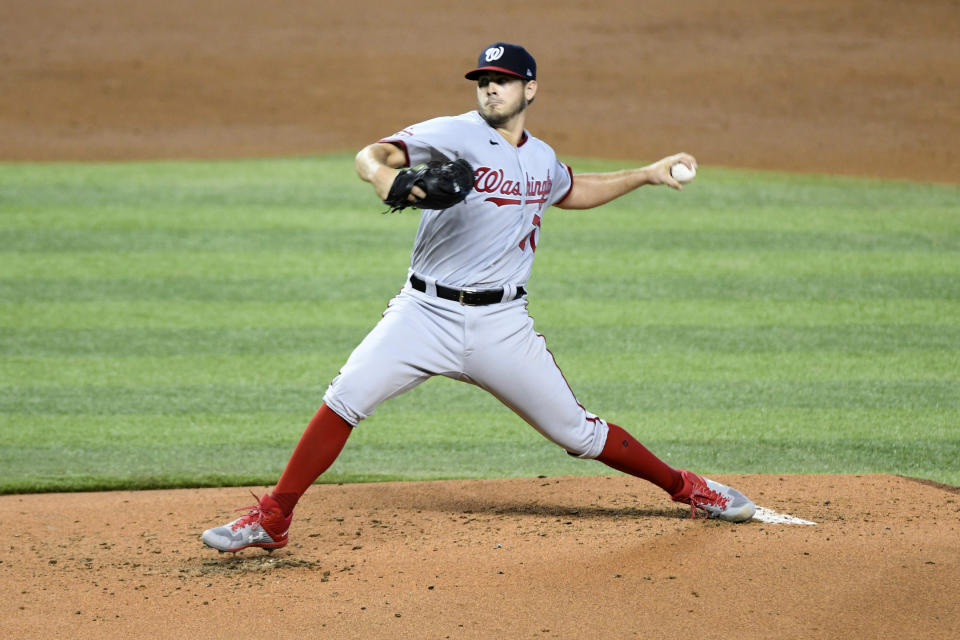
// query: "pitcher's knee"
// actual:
[[587, 440], [339, 403]]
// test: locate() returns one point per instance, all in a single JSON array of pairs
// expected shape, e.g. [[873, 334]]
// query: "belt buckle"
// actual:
[[462, 293]]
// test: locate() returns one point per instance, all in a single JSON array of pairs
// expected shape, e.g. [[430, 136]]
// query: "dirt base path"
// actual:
[[604, 557]]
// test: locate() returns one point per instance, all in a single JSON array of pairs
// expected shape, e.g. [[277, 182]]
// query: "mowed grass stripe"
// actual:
[[267, 183], [756, 340], [288, 263], [314, 365], [626, 396], [204, 193], [340, 286], [369, 261], [389, 425], [567, 311], [323, 339], [327, 288], [58, 240], [355, 210], [227, 239]]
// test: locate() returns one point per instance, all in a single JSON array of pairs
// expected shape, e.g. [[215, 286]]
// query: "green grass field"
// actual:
[[176, 324]]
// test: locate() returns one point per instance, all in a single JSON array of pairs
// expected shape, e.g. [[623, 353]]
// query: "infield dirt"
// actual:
[[851, 87]]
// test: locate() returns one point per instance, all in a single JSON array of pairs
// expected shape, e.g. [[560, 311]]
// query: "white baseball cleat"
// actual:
[[714, 499], [264, 526]]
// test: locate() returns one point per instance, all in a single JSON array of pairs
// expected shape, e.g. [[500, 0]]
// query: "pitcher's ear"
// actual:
[[530, 90]]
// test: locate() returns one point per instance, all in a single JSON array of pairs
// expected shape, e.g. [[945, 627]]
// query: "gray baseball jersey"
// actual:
[[489, 239], [485, 242]]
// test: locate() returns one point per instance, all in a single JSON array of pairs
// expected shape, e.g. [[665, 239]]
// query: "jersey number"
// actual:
[[532, 237]]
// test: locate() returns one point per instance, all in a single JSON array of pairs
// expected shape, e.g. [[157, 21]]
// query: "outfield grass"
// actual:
[[175, 324]]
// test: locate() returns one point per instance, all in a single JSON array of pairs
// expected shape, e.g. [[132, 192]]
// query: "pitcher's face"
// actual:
[[502, 97]]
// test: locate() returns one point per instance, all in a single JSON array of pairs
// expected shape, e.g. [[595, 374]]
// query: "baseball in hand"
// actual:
[[682, 173]]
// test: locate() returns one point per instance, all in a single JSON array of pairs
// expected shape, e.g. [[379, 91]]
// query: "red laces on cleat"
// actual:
[[255, 515], [702, 495]]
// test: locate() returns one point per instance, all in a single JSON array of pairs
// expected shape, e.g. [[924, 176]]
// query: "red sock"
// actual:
[[319, 446], [624, 453]]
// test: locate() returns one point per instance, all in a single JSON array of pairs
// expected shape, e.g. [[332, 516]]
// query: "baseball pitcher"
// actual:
[[483, 184]]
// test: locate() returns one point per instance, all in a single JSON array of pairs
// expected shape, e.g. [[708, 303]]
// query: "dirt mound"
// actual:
[[604, 557]]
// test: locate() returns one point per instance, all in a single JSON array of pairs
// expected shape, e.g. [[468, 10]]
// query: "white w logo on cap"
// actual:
[[493, 53]]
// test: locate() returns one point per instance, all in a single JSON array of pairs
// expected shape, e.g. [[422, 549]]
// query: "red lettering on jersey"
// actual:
[[502, 201], [539, 187], [488, 180]]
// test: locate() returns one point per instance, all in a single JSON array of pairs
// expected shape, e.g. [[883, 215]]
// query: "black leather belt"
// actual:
[[472, 297]]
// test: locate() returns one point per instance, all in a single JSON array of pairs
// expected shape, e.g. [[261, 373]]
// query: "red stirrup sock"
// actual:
[[624, 453], [319, 446]]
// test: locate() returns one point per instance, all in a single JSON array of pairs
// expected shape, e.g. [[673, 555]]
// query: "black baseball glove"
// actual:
[[445, 183]]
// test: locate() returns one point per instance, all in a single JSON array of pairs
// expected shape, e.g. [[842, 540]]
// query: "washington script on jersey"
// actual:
[[487, 180]]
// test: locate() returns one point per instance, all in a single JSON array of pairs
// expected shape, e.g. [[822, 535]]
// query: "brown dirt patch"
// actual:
[[849, 87], [604, 557]]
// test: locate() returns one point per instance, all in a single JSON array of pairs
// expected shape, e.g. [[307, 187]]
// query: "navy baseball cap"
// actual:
[[503, 57]]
